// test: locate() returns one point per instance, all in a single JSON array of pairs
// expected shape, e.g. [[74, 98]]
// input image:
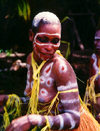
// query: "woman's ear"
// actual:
[[31, 35]]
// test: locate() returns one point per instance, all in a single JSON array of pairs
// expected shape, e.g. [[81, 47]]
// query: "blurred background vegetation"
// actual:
[[16, 17]]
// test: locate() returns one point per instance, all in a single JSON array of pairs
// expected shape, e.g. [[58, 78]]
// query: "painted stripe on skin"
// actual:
[[28, 74], [73, 112], [31, 84], [28, 66], [61, 122], [72, 122], [40, 120], [48, 44], [56, 34], [51, 121], [97, 37], [25, 93], [95, 63], [69, 101], [27, 84], [66, 87], [37, 118]]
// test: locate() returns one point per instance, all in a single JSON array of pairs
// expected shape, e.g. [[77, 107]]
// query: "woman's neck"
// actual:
[[37, 59]]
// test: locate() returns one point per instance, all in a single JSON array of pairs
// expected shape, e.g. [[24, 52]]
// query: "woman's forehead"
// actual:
[[49, 28], [42, 34]]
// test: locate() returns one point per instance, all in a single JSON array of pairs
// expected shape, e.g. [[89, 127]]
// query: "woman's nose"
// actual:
[[48, 48]]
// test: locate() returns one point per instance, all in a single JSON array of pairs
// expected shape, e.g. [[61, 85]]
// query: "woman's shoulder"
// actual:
[[61, 64], [60, 60]]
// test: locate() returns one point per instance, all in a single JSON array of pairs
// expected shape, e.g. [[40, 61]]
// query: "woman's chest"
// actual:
[[47, 89]]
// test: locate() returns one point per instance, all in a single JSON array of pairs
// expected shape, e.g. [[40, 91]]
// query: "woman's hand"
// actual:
[[20, 124], [26, 122]]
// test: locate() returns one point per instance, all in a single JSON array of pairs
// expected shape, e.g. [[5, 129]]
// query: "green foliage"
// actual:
[[68, 52], [1, 50], [24, 10], [10, 7], [8, 52], [64, 19]]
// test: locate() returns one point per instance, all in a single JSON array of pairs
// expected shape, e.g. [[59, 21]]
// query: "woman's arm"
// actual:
[[68, 97], [29, 81]]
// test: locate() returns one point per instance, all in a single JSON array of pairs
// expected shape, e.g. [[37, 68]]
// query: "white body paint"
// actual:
[[42, 79], [55, 45], [62, 68], [43, 92], [49, 82], [97, 38], [36, 118], [72, 122], [95, 63], [28, 77], [48, 68], [61, 122], [69, 101], [25, 93], [31, 84], [50, 121], [68, 86], [72, 112]]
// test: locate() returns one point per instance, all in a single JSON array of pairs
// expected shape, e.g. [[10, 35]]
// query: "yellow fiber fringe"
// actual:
[[47, 127], [53, 102], [90, 95], [87, 122], [12, 109], [56, 98], [90, 92], [35, 89]]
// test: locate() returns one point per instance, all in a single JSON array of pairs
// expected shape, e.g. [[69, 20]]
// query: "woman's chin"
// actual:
[[46, 57]]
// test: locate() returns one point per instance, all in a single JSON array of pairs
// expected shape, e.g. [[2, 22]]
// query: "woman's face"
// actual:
[[47, 41], [97, 41]]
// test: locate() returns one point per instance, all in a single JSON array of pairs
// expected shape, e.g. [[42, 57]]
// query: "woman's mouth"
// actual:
[[47, 54]]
